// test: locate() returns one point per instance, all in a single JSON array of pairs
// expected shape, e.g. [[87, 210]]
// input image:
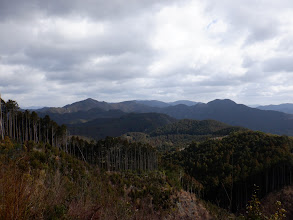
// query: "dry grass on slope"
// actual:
[[189, 207], [285, 196]]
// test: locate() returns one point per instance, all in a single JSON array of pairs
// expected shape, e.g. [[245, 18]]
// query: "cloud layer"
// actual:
[[54, 53]]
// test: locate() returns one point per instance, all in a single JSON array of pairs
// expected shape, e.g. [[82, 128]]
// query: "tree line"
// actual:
[[24, 126]]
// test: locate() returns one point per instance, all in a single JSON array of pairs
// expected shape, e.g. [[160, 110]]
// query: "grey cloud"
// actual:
[[119, 68], [126, 44], [251, 75], [262, 32], [257, 21], [279, 64], [286, 43], [95, 9], [248, 62], [17, 10]]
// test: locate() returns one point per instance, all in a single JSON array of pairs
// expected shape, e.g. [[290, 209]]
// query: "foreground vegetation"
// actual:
[[38, 181]]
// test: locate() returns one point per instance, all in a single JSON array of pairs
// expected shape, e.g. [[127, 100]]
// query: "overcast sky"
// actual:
[[56, 52]]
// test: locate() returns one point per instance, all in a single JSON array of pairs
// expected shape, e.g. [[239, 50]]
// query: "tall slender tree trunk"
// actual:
[[1, 122], [26, 128], [52, 136], [39, 139], [29, 129]]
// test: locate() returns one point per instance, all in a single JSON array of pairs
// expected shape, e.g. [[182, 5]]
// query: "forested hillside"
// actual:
[[229, 168], [195, 127], [102, 127], [47, 174], [179, 134]]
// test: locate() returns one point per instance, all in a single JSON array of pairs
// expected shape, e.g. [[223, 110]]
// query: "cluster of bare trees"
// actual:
[[115, 154], [27, 126]]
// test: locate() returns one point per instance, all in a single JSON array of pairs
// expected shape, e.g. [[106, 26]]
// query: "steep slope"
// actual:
[[285, 196], [286, 108]]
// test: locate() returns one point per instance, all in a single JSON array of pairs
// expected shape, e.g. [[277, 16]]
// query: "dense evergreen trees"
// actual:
[[195, 127], [229, 168]]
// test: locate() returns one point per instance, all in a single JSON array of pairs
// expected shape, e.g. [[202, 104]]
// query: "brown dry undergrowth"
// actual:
[[285, 196]]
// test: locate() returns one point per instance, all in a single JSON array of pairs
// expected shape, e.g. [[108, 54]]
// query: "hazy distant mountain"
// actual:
[[286, 108], [159, 104], [153, 103], [184, 102], [231, 113], [32, 107]]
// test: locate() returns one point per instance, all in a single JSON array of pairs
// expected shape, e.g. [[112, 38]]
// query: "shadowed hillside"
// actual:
[[102, 127]]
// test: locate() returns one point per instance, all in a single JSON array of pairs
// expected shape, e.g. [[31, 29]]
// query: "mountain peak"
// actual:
[[90, 99], [222, 102]]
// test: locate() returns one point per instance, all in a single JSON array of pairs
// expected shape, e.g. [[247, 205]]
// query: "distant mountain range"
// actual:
[[127, 106], [159, 104], [286, 108], [225, 111]]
